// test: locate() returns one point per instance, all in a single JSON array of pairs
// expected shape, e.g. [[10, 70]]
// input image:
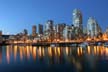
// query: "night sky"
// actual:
[[16, 15]]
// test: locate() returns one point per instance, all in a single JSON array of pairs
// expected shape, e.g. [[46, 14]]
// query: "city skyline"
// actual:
[[23, 14]]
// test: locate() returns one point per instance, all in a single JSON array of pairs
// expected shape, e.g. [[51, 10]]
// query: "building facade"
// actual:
[[49, 31], [93, 29], [40, 29], [34, 30], [69, 33], [25, 32], [77, 19]]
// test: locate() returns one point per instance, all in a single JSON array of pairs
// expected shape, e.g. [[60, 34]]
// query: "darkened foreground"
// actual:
[[53, 59]]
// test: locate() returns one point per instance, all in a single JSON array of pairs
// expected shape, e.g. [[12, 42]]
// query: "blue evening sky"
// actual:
[[16, 15]]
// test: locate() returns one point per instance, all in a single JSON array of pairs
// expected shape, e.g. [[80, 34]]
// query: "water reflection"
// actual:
[[29, 51], [73, 56]]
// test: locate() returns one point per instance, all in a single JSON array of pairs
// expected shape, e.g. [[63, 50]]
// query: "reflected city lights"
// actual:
[[21, 54], [34, 53], [79, 51], [49, 51], [55, 52], [88, 50], [28, 52], [7, 54], [95, 50], [67, 51], [58, 51], [39, 52], [15, 52], [43, 51]]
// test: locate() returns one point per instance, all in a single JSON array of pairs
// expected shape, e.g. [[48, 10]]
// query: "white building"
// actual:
[[77, 19], [93, 28]]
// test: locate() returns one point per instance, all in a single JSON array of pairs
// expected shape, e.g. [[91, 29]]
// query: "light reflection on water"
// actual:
[[27, 51], [69, 56]]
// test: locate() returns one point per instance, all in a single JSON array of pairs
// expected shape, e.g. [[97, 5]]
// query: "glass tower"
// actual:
[[77, 19]]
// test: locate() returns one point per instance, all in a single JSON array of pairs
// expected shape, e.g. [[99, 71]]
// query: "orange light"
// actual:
[[88, 49], [34, 53], [7, 55], [15, 52], [50, 51], [67, 50], [21, 54], [58, 49]]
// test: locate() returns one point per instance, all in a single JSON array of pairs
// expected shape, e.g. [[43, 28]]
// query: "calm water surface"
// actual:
[[53, 59]]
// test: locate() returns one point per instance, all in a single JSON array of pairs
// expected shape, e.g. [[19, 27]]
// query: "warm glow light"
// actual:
[[58, 40], [106, 51], [43, 52], [21, 54], [30, 49], [88, 49], [25, 50], [67, 50], [95, 50], [34, 53], [66, 40], [39, 51], [88, 39], [78, 51], [50, 51], [55, 50], [105, 36], [101, 49], [58, 50], [28, 52], [15, 52], [7, 54]]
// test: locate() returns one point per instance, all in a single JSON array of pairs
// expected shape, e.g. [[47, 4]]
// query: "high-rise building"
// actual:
[[0, 33], [107, 31], [49, 25], [68, 33], [85, 31], [25, 32], [40, 29], [59, 30], [65, 33], [49, 31], [77, 19], [34, 30], [93, 28], [73, 32]]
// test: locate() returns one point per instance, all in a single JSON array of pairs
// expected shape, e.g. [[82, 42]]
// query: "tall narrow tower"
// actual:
[[77, 18], [34, 30]]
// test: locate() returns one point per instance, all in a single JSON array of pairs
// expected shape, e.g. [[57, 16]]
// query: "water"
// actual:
[[56, 59]]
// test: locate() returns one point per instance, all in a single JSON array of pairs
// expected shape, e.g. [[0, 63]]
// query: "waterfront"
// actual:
[[53, 59]]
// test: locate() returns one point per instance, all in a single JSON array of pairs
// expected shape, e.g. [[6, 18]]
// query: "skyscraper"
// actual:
[[77, 19], [49, 25], [65, 33], [25, 32], [34, 30], [49, 31], [40, 29], [59, 30], [93, 28]]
